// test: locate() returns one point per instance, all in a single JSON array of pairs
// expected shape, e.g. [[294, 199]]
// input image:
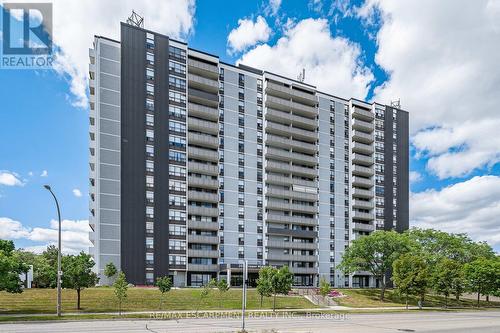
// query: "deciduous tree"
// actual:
[[78, 274]]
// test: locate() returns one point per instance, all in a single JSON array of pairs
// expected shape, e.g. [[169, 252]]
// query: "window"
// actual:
[[150, 40], [176, 185], [175, 170], [150, 74], [176, 68], [177, 230], [150, 196], [175, 82], [177, 97], [150, 135], [177, 215], [177, 53], [150, 150], [176, 260], [149, 258], [149, 243], [150, 105], [174, 126], [176, 200], [177, 156], [150, 58], [150, 166], [150, 227], [177, 244], [150, 181], [150, 212], [175, 111], [150, 89], [150, 120], [177, 141]]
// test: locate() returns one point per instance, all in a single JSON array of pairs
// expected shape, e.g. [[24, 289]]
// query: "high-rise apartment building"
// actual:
[[197, 165]]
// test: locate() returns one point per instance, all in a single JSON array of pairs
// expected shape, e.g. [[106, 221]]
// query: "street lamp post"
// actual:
[[244, 300], [59, 272]]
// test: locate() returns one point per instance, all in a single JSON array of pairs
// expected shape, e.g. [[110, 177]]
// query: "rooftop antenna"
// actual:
[[396, 104], [302, 76], [136, 20]]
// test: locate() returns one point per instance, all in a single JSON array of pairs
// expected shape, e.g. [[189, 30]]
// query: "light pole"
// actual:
[[244, 300], [59, 272]]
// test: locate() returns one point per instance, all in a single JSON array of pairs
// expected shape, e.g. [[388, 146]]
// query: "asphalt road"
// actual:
[[481, 321]]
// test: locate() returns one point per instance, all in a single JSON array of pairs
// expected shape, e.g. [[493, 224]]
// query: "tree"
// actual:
[[206, 291], [376, 253], [27, 258], [324, 287], [121, 286], [164, 284], [281, 282], [78, 273], [110, 270], [10, 268], [410, 274], [44, 275], [264, 287], [483, 277], [223, 287], [447, 278], [51, 254], [459, 247]]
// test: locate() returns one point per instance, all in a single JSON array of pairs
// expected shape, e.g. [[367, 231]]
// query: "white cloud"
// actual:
[[30, 173], [415, 177], [472, 206], [332, 63], [443, 64], [75, 234], [248, 33], [44, 173], [77, 193], [272, 7], [456, 151], [9, 178], [76, 22]]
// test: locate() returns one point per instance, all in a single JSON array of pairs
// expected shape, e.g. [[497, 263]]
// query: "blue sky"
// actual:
[[44, 123]]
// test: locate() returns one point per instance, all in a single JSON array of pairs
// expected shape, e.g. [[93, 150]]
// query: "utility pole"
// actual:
[[59, 271]]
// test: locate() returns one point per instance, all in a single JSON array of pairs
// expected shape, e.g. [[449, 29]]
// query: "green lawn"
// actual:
[[367, 298], [139, 299]]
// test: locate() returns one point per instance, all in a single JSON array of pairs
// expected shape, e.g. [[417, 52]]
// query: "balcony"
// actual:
[[203, 253], [359, 170], [287, 118], [203, 154], [362, 148], [204, 84], [291, 257], [362, 182], [203, 239], [278, 193], [360, 193], [362, 204], [362, 159], [203, 140], [291, 219], [204, 126], [362, 137], [282, 142], [203, 196], [304, 98], [280, 205], [202, 111], [362, 216], [308, 111], [304, 270], [203, 182], [362, 114], [212, 226], [203, 268], [362, 125], [203, 68], [291, 245], [201, 168], [363, 227], [287, 155]]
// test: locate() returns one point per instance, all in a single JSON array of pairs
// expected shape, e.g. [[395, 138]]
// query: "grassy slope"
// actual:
[[139, 299], [371, 298]]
